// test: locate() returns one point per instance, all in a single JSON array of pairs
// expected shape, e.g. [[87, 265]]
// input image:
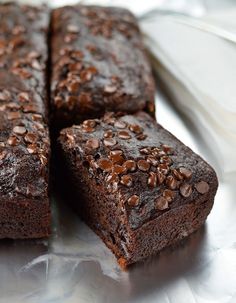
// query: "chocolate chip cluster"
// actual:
[[103, 22], [24, 127], [105, 155]]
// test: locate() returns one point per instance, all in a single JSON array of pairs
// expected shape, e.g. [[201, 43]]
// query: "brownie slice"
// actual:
[[138, 187], [24, 136], [98, 64]]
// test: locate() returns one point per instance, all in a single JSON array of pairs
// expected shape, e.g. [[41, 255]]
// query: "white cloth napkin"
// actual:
[[199, 70]]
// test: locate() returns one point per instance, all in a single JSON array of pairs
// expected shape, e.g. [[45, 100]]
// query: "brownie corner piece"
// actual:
[[99, 64], [139, 188], [132, 176]]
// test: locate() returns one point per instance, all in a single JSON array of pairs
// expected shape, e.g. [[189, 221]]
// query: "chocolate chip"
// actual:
[[177, 174], [109, 141], [33, 55], [77, 54], [116, 158], [30, 108], [120, 124], [13, 106], [105, 164], [202, 187], [129, 165], [166, 160], [92, 143], [58, 101], [163, 168], [30, 138], [126, 180], [36, 117], [2, 108], [186, 173], [143, 165], [112, 178], [32, 148], [86, 75], [18, 29], [116, 152], [110, 89], [13, 141], [88, 129], [152, 160], [89, 123], [118, 169], [133, 201], [71, 28], [161, 203], [124, 135], [43, 159], [73, 87], [185, 190], [3, 154], [23, 97], [16, 42], [166, 148], [5, 95], [77, 66], [36, 65], [141, 137], [171, 182], [19, 130], [145, 150], [13, 115], [69, 38], [70, 139], [108, 134], [168, 195], [160, 178], [152, 179], [135, 128]]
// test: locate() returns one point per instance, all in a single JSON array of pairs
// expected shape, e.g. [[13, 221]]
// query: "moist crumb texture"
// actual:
[[24, 136], [98, 64], [138, 187]]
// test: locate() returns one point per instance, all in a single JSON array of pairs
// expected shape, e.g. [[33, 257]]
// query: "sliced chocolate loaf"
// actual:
[[138, 187], [98, 64], [24, 137]]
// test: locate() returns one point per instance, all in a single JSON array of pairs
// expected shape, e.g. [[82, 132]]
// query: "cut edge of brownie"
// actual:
[[102, 210]]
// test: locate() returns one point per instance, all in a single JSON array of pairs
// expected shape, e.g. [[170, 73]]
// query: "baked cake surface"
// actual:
[[24, 137], [98, 64], [138, 187]]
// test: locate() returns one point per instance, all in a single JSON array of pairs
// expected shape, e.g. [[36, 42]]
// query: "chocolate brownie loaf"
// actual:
[[139, 188], [24, 137], [98, 64]]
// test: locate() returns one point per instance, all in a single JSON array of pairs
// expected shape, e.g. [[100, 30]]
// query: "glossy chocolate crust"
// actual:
[[24, 136], [138, 187], [98, 64]]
